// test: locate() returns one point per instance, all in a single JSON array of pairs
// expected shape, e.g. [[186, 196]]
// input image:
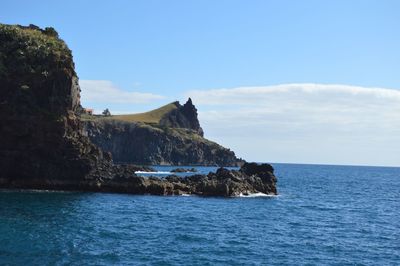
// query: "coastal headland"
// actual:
[[46, 143]]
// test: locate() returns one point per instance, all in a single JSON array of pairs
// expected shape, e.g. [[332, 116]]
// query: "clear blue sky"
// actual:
[[179, 45], [169, 48]]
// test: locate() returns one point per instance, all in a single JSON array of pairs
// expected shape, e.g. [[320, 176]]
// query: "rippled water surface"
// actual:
[[325, 215]]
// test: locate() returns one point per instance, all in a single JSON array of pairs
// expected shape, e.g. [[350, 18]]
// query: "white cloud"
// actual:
[[104, 91], [258, 95], [314, 123]]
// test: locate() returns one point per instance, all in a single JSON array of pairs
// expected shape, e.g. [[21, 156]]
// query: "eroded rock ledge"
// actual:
[[251, 178]]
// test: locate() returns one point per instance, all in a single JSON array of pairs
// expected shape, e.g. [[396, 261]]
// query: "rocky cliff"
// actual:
[[41, 137], [42, 141], [177, 139]]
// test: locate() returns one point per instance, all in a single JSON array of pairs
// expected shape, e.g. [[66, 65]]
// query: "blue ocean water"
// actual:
[[324, 215]]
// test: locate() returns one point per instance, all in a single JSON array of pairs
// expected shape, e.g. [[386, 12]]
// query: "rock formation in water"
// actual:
[[42, 141], [251, 178]]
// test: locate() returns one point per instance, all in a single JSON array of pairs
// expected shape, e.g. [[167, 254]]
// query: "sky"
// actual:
[[276, 81]]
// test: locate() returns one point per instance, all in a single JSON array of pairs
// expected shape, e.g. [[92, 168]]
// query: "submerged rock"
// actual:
[[184, 170]]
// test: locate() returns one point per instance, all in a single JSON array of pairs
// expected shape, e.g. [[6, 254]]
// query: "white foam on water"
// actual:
[[153, 173], [256, 195]]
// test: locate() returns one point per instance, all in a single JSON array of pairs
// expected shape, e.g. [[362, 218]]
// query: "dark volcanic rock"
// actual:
[[227, 183], [41, 138], [254, 168], [43, 145], [138, 143], [183, 170]]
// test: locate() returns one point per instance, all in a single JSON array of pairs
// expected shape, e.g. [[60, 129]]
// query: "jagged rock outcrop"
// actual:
[[223, 182], [42, 141], [183, 117], [139, 143]]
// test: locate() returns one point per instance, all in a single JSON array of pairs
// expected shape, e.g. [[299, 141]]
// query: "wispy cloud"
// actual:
[[104, 91], [305, 122], [258, 95]]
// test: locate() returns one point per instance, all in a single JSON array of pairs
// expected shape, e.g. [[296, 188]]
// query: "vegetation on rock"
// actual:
[[151, 117], [32, 61]]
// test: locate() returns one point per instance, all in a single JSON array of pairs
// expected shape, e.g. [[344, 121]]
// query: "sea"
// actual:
[[323, 215]]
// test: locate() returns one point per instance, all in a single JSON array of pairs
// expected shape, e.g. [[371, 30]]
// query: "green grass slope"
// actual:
[[151, 117]]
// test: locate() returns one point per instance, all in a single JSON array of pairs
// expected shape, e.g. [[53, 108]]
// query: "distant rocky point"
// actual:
[[45, 145], [169, 135]]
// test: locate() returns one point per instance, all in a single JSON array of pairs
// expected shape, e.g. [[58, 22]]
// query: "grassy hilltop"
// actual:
[[151, 117]]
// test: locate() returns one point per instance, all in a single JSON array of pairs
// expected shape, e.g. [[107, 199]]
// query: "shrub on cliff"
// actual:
[[30, 51], [50, 31], [33, 64], [106, 112]]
